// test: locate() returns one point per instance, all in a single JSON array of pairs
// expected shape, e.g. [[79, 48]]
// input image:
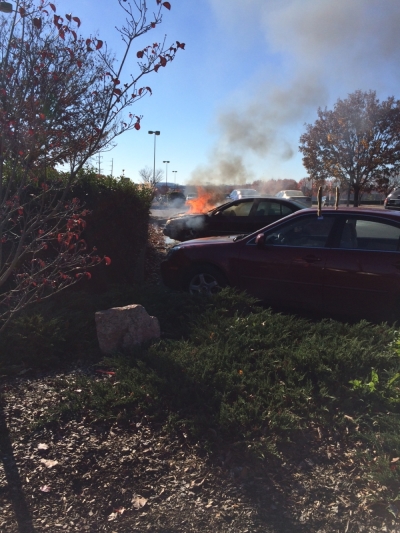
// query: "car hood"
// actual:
[[181, 216], [209, 240]]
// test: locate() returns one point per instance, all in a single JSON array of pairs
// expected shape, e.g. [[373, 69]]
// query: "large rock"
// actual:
[[121, 328]]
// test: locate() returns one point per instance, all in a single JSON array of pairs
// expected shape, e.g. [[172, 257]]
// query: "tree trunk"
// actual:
[[356, 196]]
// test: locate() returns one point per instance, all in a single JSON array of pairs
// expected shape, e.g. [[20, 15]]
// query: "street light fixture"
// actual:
[[5, 7], [174, 172], [154, 166], [166, 176]]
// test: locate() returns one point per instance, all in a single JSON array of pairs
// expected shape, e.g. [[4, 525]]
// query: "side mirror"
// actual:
[[260, 240]]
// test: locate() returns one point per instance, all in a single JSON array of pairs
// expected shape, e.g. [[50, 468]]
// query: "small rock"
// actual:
[[121, 328]]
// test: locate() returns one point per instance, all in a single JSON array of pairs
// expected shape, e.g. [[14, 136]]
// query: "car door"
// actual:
[[288, 268], [265, 211], [362, 274], [232, 219]]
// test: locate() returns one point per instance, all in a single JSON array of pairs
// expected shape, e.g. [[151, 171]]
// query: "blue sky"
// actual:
[[233, 104]]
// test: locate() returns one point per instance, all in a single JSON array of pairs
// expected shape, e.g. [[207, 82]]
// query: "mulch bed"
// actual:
[[84, 477]]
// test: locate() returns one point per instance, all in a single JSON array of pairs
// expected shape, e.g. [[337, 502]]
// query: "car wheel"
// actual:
[[205, 279]]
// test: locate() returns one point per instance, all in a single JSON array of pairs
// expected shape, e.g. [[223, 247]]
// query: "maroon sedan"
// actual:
[[345, 262]]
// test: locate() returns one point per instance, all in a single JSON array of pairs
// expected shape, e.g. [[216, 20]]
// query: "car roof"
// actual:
[[394, 215]]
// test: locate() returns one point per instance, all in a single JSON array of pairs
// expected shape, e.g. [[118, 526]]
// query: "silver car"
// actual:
[[393, 200]]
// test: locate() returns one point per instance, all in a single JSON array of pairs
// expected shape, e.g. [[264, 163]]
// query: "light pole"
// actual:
[[154, 165], [174, 172], [166, 176]]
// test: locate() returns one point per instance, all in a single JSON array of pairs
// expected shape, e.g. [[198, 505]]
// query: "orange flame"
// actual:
[[203, 203]]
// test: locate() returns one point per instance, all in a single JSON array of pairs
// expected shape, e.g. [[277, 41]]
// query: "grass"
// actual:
[[229, 371]]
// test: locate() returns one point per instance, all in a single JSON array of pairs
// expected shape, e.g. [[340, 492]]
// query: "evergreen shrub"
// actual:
[[117, 226]]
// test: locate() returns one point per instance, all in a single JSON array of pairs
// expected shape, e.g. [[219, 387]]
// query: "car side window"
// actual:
[[308, 232], [240, 210], [271, 208], [370, 235]]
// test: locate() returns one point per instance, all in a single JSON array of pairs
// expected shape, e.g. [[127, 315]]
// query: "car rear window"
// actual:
[[270, 208], [370, 235]]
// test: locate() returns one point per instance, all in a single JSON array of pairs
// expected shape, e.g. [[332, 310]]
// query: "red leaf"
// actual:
[[167, 5], [137, 126], [153, 24], [180, 45], [88, 275], [88, 41], [118, 92], [140, 54], [150, 91], [116, 81], [158, 1], [42, 116], [77, 20], [37, 23], [99, 44], [53, 7], [61, 34], [79, 63], [107, 260], [74, 34], [68, 17], [156, 68]]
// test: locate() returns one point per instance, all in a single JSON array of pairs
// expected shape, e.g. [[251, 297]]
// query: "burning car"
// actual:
[[232, 218]]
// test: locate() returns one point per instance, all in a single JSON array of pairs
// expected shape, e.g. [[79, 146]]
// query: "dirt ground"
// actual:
[[77, 476], [80, 477]]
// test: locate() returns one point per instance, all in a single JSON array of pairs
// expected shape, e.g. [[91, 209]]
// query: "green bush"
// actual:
[[242, 372], [117, 226]]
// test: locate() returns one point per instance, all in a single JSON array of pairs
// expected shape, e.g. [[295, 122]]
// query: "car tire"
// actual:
[[205, 279]]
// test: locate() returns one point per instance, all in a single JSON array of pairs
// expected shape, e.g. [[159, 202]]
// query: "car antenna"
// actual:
[[337, 198], [319, 200]]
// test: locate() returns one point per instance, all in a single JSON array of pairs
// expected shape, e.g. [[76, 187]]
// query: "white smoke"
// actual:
[[327, 50]]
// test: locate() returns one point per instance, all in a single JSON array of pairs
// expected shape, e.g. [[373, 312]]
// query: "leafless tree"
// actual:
[[146, 175]]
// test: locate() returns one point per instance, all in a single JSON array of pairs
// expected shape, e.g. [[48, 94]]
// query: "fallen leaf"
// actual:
[[42, 446], [49, 462], [45, 488], [138, 502]]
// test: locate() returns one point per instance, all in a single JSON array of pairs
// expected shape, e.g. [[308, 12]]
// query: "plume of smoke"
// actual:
[[223, 168], [329, 49]]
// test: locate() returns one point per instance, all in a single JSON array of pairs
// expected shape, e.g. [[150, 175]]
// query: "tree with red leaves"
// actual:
[[62, 101], [357, 143]]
